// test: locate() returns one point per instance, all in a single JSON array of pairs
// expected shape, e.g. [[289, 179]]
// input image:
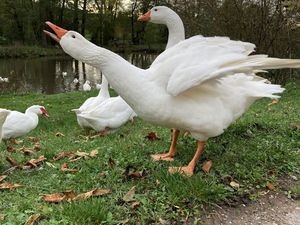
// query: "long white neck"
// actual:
[[126, 79], [104, 93], [176, 29]]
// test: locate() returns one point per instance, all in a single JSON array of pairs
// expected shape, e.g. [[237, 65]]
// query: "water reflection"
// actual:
[[51, 75]]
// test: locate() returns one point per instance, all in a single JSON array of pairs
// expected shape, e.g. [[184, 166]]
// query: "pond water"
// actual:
[[51, 75]]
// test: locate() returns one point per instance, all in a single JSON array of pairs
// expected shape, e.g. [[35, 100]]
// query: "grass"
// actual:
[[260, 147], [28, 51]]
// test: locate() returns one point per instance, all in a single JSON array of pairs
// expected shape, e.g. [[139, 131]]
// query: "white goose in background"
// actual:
[[166, 16], [86, 86], [92, 103], [3, 115], [18, 124], [185, 87]]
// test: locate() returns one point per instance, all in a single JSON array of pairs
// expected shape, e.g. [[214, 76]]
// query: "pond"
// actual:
[[50, 75]]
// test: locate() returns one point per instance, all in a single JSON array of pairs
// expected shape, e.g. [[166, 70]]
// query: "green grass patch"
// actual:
[[260, 147]]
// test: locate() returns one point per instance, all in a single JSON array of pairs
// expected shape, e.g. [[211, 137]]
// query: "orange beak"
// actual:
[[146, 17], [60, 32]]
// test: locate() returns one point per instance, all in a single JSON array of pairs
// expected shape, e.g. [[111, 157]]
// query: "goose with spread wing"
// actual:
[[184, 88]]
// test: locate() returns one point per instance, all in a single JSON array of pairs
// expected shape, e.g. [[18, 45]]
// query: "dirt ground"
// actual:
[[274, 208]]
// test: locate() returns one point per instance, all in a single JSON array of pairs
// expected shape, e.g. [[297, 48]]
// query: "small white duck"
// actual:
[[3, 115], [184, 88], [75, 81], [5, 79], [86, 86], [64, 74], [92, 102], [98, 86], [18, 124]]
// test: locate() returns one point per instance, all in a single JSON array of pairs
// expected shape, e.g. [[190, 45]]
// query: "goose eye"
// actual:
[[73, 36], [155, 10]]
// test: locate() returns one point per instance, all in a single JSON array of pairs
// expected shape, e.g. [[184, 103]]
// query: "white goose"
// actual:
[[92, 103], [18, 124], [3, 115], [86, 86], [166, 16], [184, 88]]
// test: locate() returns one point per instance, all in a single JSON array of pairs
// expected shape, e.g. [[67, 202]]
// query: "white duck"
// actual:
[[75, 81], [184, 88], [3, 115], [18, 124], [86, 86], [92, 103]]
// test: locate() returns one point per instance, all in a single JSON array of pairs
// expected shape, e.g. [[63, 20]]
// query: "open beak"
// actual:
[[146, 17], [44, 112], [59, 32]]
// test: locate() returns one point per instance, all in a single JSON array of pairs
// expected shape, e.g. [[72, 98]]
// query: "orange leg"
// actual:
[[168, 156], [189, 169]]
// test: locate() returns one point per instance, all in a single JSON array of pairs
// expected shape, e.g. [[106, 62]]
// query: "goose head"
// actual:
[[158, 15], [72, 42], [38, 110]]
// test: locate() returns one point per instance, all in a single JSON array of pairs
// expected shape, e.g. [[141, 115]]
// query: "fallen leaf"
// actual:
[[2, 177], [11, 149], [295, 125], [59, 134], [111, 163], [152, 137], [62, 155], [70, 195], [33, 139], [50, 165], [65, 168], [15, 141], [94, 153], [12, 161], [207, 166], [37, 146], [2, 217], [9, 186], [132, 173], [54, 198], [129, 195], [135, 205], [234, 184], [93, 193], [34, 162], [274, 101], [270, 186], [26, 151], [33, 219]]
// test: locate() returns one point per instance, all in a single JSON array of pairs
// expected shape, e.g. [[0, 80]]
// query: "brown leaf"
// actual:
[[33, 139], [129, 197], [296, 125], [37, 146], [62, 155], [270, 186], [33, 219], [207, 166], [274, 101], [152, 137], [11, 149], [34, 162], [9, 186], [26, 151], [59, 134], [135, 205], [111, 163], [54, 198], [12, 161], [131, 173], [2, 177], [70, 195], [65, 168], [93, 193], [15, 141]]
